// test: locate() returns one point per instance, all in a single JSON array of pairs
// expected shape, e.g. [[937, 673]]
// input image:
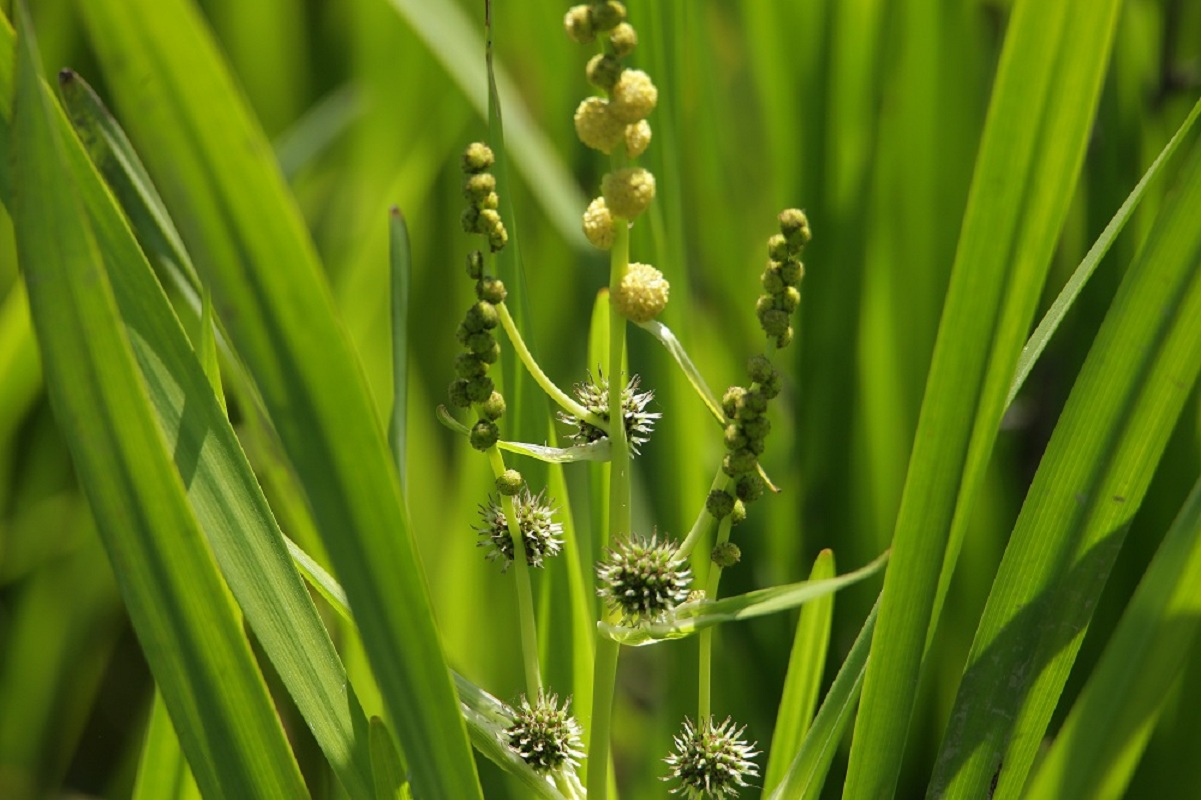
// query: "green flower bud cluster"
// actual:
[[782, 277], [482, 215], [472, 386], [747, 427]]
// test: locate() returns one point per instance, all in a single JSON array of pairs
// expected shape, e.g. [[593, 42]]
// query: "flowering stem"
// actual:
[[706, 636], [605, 670], [703, 519], [604, 683], [527, 358], [619, 452], [525, 596]]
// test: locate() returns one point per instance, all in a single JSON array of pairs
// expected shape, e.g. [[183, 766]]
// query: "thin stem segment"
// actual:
[[525, 595], [554, 392]]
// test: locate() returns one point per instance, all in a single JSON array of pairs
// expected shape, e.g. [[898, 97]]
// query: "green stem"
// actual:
[[619, 446], [554, 392], [703, 519], [706, 636], [525, 595], [604, 683], [605, 670]]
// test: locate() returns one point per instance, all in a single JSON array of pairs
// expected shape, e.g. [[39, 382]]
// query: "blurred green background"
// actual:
[[864, 112]]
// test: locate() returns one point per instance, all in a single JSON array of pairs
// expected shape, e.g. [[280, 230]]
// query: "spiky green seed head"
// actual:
[[541, 535], [594, 396], [642, 579], [710, 761], [545, 736]]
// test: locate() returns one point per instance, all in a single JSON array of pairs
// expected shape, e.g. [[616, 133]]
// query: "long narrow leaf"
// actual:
[[807, 773], [1099, 745], [163, 772], [1089, 484], [185, 618], [803, 680], [247, 239], [1071, 290], [1043, 101]]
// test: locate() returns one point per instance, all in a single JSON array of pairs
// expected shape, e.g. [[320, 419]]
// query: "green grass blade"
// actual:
[[386, 765], [401, 262], [807, 772], [186, 621], [802, 683], [1100, 743], [220, 181], [163, 772], [1034, 143], [1089, 485], [1071, 290], [185, 390], [111, 152]]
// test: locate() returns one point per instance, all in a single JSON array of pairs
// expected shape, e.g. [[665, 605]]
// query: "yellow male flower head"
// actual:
[[596, 125], [628, 191], [642, 294]]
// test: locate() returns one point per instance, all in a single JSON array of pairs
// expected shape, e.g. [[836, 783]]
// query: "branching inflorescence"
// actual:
[[641, 580]]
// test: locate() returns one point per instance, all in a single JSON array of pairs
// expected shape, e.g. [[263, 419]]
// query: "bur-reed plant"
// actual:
[[493, 593]]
